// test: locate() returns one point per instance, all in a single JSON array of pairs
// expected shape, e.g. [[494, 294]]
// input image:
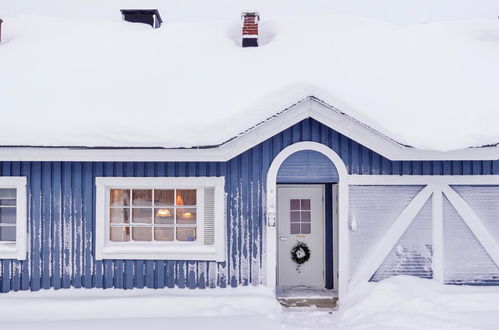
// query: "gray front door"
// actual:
[[300, 214]]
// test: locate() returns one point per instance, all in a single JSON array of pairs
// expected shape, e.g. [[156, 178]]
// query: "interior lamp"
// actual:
[[163, 213]]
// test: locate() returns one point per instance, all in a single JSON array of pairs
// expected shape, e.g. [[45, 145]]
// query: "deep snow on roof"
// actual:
[[70, 82]]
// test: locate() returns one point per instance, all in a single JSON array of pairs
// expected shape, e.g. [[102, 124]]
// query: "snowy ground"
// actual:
[[396, 303]]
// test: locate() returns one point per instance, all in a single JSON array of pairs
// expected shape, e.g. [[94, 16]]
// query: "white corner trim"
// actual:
[[474, 223], [308, 108], [17, 250], [377, 255], [398, 180], [437, 224], [104, 249], [270, 261]]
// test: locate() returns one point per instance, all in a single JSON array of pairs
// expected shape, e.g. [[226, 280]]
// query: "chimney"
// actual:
[[146, 16], [1, 29], [250, 28]]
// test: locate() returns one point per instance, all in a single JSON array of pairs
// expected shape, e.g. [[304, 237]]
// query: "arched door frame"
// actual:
[[270, 227]]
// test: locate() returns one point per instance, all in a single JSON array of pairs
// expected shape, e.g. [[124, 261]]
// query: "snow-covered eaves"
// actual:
[[97, 84], [310, 107]]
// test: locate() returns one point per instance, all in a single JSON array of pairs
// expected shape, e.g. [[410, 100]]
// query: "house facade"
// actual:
[[310, 197]]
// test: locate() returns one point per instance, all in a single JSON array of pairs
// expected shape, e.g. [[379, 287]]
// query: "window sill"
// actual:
[[10, 251], [129, 252]]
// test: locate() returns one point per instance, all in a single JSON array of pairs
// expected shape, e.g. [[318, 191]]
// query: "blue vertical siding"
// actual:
[[61, 212]]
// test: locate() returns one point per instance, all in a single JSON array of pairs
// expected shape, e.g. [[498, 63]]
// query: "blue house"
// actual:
[[308, 198]]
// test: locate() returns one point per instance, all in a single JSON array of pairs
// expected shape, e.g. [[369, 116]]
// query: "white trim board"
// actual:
[[270, 232], [398, 180], [308, 108], [198, 250]]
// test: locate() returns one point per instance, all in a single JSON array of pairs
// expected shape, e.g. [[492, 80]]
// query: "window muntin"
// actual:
[[300, 216], [146, 215]]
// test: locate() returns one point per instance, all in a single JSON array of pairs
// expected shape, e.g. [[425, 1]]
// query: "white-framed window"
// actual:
[[13, 218], [180, 218]]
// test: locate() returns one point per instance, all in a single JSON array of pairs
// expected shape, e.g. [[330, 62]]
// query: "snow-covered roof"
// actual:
[[74, 82]]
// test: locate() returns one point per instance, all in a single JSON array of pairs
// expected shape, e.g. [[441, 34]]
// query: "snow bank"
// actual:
[[65, 82], [77, 304], [397, 303]]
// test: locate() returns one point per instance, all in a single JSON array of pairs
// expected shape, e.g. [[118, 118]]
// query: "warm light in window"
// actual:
[[163, 213], [187, 215]]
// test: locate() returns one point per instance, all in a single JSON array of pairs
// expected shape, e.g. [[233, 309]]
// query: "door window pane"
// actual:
[[305, 228], [295, 216], [295, 228], [305, 216], [119, 197], [295, 204], [142, 197], [119, 234], [305, 204]]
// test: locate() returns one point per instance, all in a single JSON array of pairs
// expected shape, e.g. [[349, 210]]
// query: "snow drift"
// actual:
[[401, 302], [66, 82]]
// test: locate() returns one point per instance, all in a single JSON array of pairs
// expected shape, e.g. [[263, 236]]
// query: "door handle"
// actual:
[[283, 238]]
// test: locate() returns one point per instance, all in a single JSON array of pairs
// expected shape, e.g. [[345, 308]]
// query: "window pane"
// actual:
[[142, 215], [305, 228], [119, 215], [186, 234], [295, 228], [7, 215], [295, 204], [119, 197], [8, 197], [164, 216], [8, 233], [119, 234], [295, 216], [142, 197], [163, 197], [305, 216], [305, 204], [186, 216], [186, 197], [142, 233], [163, 234]]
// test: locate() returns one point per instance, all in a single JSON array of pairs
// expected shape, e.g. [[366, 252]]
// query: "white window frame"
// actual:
[[171, 250], [16, 250]]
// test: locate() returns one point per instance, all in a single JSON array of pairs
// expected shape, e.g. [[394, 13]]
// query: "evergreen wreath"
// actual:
[[300, 253]]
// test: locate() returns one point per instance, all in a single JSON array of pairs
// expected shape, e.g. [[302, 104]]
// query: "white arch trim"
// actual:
[[270, 228]]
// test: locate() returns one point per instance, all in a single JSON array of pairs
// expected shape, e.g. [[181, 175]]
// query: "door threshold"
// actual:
[[307, 297], [305, 292], [325, 303]]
